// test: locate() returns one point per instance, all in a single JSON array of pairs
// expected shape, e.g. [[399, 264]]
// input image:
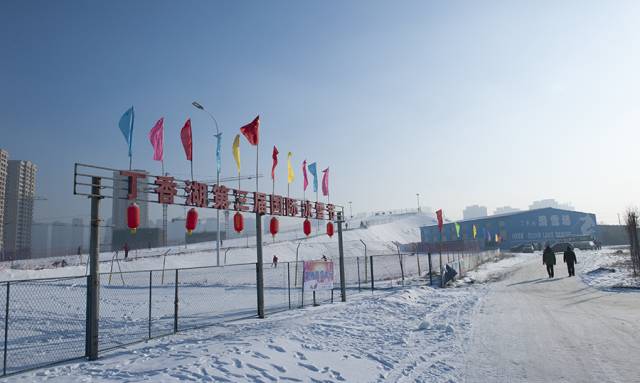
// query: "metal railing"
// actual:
[[45, 320]]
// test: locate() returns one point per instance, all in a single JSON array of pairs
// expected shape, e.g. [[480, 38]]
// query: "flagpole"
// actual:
[[191, 161]]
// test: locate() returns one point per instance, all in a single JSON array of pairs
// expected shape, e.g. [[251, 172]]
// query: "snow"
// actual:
[[530, 328], [379, 238], [607, 269], [512, 325], [406, 334]]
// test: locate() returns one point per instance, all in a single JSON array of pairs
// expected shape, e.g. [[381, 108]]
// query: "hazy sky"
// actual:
[[496, 103]]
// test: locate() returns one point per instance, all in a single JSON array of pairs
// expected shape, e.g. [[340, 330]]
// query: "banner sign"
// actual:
[[170, 191], [318, 275]]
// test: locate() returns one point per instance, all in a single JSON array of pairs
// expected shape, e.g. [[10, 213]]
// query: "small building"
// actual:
[[505, 231]]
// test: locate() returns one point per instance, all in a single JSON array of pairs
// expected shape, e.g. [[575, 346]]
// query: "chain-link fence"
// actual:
[[45, 320]]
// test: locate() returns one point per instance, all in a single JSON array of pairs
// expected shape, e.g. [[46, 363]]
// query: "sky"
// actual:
[[465, 102]]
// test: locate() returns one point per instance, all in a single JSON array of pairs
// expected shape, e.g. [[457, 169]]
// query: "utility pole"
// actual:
[[418, 197]]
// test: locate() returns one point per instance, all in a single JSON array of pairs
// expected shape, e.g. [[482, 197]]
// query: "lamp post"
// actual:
[[350, 210], [418, 197], [218, 137]]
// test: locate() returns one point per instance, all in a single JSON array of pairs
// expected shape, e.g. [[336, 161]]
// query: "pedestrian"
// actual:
[[79, 250], [324, 258], [126, 250], [275, 261], [549, 259], [570, 259]]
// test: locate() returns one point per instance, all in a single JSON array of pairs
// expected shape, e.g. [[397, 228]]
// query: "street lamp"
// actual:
[[418, 197], [350, 210], [218, 137]]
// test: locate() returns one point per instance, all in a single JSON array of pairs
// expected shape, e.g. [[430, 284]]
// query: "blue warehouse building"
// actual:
[[539, 226]]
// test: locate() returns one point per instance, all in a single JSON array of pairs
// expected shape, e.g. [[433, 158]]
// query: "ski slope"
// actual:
[[379, 239]]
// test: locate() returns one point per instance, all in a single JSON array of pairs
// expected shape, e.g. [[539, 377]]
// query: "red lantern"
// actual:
[[192, 220], [306, 227], [274, 225], [330, 229], [133, 217], [238, 222]]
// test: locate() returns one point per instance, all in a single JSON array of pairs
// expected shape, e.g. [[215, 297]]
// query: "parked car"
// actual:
[[560, 247], [523, 248], [585, 245]]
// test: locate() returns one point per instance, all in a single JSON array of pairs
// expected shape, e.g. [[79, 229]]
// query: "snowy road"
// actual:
[[529, 328]]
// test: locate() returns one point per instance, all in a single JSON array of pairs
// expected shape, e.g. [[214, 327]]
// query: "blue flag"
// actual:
[[218, 160], [126, 127], [314, 173]]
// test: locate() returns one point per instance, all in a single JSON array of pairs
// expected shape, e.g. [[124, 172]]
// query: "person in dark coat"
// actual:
[[549, 259], [126, 250], [570, 260]]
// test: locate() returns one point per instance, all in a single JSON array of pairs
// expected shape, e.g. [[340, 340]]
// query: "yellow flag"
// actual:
[[290, 175], [475, 231], [236, 151]]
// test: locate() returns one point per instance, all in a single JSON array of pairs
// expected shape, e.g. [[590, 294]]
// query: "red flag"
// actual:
[[275, 162], [440, 223], [185, 136], [250, 131], [304, 172]]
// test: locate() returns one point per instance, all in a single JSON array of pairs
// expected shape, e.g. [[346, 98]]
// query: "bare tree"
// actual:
[[631, 220]]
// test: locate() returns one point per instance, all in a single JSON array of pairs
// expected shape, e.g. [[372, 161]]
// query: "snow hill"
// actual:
[[380, 233]]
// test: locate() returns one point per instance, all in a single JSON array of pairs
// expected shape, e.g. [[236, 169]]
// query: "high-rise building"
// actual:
[[474, 211], [20, 192], [505, 210], [120, 201], [4, 159], [545, 203]]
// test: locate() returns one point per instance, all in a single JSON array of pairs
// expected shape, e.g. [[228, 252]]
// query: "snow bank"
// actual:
[[492, 271], [607, 268]]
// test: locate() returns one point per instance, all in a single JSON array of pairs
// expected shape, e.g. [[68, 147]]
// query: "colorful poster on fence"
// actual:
[[318, 275]]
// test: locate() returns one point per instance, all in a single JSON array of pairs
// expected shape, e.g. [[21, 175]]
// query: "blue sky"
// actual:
[[494, 102]]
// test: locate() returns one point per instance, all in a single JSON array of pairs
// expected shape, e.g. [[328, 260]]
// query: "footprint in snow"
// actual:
[[300, 356], [309, 366], [259, 355], [277, 348], [280, 369]]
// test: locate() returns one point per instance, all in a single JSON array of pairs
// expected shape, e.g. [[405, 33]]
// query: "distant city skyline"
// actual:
[[500, 102]]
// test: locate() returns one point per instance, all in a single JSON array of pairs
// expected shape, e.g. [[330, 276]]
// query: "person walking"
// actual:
[[126, 251], [275, 261], [570, 259], [549, 259]]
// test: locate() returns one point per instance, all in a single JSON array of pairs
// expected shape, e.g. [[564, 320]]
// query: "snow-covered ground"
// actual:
[[408, 334], [411, 333], [530, 328]]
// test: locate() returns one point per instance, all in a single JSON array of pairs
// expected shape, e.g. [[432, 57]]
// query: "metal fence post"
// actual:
[[430, 272], [150, 284], [358, 268], [259, 266], [401, 269], [6, 332], [93, 289], [289, 282], [371, 268], [343, 282], [418, 260], [175, 306]]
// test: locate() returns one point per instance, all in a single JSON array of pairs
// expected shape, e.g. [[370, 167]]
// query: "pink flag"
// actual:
[[185, 136], [304, 172], [156, 136], [325, 182]]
